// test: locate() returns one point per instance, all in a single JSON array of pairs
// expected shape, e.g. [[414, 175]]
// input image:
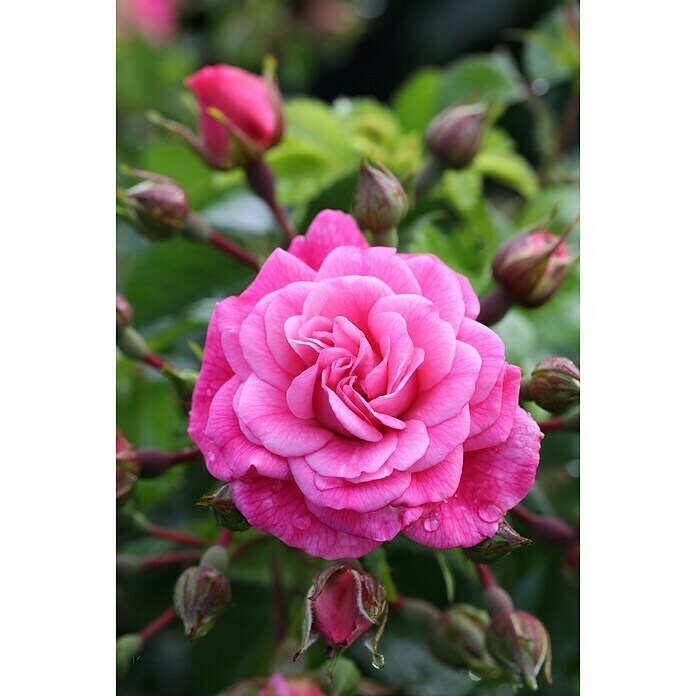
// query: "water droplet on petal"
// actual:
[[301, 522], [489, 512], [431, 523], [377, 661]]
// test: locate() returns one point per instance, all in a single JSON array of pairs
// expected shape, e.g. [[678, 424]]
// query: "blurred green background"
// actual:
[[359, 77]]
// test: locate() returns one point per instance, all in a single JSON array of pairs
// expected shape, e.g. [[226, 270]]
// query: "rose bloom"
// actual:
[[155, 20], [349, 394], [251, 104]]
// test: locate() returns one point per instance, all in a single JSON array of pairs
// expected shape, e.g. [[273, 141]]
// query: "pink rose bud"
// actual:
[[201, 594], [380, 202], [240, 114], [127, 468], [503, 542], [521, 645], [158, 207], [124, 313], [342, 605], [459, 640], [531, 266], [455, 135], [555, 384]]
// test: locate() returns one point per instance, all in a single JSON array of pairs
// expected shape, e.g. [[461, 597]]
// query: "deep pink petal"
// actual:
[[493, 481], [240, 457], [300, 393], [328, 230], [348, 458], [230, 316], [471, 301], [443, 439], [264, 411], [279, 270], [380, 262], [279, 508], [492, 352]]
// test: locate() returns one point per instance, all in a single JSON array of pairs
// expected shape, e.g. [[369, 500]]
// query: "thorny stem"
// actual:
[[235, 250], [159, 560], [485, 576], [224, 538], [175, 535], [156, 625], [154, 360]]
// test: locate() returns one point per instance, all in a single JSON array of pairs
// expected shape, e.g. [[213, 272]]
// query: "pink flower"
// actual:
[[349, 394], [154, 20], [278, 685], [250, 105]]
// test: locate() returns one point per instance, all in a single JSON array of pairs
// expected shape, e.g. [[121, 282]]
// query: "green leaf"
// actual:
[[482, 77], [346, 678], [508, 168], [415, 102]]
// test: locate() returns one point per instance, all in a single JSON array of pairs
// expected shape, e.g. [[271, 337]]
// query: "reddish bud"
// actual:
[[455, 135], [520, 644], [275, 685], [124, 313], [158, 207], [380, 202], [555, 384], [201, 594], [127, 468], [342, 605], [531, 266]]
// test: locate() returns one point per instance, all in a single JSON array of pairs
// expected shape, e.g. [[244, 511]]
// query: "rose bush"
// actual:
[[350, 394]]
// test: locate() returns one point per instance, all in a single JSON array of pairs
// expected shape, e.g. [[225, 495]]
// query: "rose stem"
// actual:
[[549, 528], [235, 250], [174, 535], [485, 576], [156, 625], [155, 462], [224, 538], [494, 306], [159, 560], [551, 424]]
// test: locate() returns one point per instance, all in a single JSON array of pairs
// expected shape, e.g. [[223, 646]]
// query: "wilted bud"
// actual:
[[224, 509], [127, 468], [521, 645], [555, 384], [342, 605], [505, 540], [201, 594], [158, 206], [455, 135], [380, 202], [532, 265], [124, 313], [459, 640], [127, 649]]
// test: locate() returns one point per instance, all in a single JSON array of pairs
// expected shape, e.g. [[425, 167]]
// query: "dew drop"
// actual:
[[431, 523], [301, 522], [473, 677], [489, 512], [377, 661]]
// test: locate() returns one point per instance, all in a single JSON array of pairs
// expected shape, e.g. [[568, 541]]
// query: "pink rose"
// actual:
[[349, 394], [154, 20], [250, 104]]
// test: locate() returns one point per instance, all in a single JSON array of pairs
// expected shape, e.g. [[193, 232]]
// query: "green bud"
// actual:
[[201, 594], [455, 135], [380, 202], [555, 385], [215, 557], [224, 509], [505, 540], [459, 640], [520, 644], [127, 649]]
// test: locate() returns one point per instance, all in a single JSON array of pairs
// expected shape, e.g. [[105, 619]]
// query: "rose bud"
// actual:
[[158, 206], [459, 640], [342, 605], [505, 540], [555, 384], [240, 114], [127, 468], [380, 202], [201, 594], [455, 135], [127, 648], [521, 645], [531, 266], [275, 685], [224, 509], [124, 313]]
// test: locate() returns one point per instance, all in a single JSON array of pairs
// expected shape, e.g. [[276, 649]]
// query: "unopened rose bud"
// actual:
[[531, 266], [124, 313], [380, 202], [342, 605], [128, 647], [455, 135], [520, 644], [555, 385], [201, 594], [459, 640], [158, 207], [224, 509], [127, 468], [504, 541]]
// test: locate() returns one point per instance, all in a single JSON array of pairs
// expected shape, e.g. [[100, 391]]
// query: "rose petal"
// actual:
[[435, 484], [279, 270], [492, 352]]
